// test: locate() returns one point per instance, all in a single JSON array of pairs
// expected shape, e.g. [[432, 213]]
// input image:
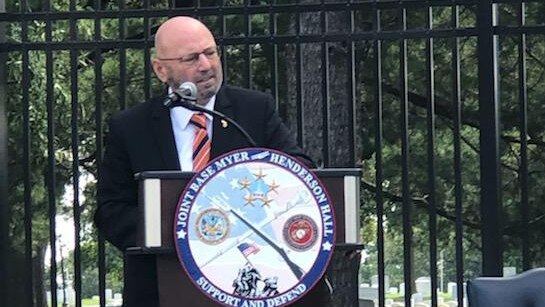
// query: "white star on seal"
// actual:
[[234, 184], [181, 234], [326, 246]]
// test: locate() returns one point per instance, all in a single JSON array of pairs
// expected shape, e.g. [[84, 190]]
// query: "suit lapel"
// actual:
[[226, 137], [162, 132], [221, 142]]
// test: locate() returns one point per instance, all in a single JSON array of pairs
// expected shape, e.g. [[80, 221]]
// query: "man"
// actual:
[[150, 136]]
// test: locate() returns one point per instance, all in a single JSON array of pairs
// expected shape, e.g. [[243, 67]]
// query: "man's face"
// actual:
[[203, 69], [196, 60]]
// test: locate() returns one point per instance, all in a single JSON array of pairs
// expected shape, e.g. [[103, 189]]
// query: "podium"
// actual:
[[159, 192]]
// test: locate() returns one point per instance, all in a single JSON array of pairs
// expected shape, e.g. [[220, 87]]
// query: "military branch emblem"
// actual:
[[254, 228], [212, 226], [300, 232]]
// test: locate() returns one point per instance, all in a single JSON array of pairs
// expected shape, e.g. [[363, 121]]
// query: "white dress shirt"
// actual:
[[184, 133]]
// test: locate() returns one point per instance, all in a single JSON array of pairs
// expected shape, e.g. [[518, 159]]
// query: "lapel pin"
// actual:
[[224, 123]]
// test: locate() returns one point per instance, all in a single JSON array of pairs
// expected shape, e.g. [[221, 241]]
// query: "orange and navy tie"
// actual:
[[201, 144]]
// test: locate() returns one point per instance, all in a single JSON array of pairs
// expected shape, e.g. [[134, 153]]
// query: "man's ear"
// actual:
[[159, 70]]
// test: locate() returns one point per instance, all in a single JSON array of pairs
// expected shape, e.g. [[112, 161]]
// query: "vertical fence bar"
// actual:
[[27, 216], [298, 80], [377, 50], [407, 205], [75, 160], [122, 59], [274, 56], [325, 90], [26, 182], [99, 135], [523, 172], [51, 161], [4, 211], [247, 46], [351, 88], [491, 203], [432, 205], [101, 261], [147, 54], [28, 208], [457, 123], [221, 38]]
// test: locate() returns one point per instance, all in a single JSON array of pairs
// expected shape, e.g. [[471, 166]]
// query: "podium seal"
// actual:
[[254, 228]]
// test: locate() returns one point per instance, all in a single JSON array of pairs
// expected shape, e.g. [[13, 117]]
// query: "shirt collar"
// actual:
[[183, 115]]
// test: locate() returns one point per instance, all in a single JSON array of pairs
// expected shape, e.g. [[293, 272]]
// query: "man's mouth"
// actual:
[[205, 79], [206, 84]]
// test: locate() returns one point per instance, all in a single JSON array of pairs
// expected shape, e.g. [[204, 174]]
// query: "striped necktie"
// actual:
[[201, 143]]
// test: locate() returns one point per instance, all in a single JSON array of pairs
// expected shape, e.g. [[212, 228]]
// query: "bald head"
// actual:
[[185, 50], [179, 31]]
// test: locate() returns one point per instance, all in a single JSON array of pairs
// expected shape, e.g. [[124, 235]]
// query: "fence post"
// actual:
[[4, 244], [491, 203]]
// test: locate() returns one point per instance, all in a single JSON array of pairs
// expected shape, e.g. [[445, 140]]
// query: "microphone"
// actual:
[[186, 96], [186, 92]]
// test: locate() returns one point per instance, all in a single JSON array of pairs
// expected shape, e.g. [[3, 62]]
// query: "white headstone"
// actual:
[[417, 297], [374, 281], [109, 294], [71, 295], [423, 285], [451, 289], [368, 293], [60, 296], [392, 290], [117, 296], [402, 288], [509, 271]]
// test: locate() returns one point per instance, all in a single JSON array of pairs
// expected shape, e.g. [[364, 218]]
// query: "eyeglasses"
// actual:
[[193, 58]]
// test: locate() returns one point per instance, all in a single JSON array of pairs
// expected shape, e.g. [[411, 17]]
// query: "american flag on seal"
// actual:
[[247, 249]]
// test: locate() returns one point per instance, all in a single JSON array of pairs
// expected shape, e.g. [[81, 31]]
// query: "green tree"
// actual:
[[443, 150]]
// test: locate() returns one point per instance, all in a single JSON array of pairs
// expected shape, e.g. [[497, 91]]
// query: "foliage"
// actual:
[[443, 195]]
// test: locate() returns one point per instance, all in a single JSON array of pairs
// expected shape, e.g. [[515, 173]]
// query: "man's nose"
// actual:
[[204, 62]]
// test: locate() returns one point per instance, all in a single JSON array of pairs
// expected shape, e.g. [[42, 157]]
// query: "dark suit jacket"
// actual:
[[141, 139]]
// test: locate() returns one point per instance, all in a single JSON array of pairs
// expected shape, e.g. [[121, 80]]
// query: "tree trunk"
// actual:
[[38, 270], [326, 119]]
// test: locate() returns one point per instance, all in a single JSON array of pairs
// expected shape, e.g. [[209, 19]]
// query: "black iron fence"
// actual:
[[439, 102]]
